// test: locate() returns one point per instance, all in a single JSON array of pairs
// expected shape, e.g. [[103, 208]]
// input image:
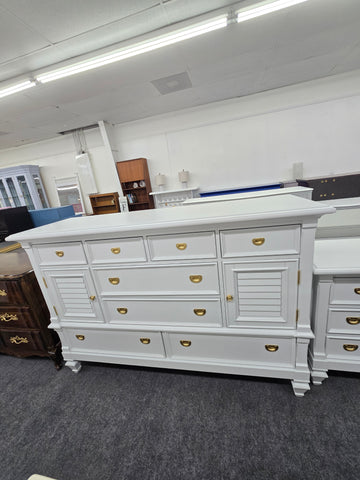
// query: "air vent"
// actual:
[[172, 84]]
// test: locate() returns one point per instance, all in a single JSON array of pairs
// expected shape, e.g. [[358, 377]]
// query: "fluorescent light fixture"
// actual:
[[136, 49], [16, 88], [263, 8]]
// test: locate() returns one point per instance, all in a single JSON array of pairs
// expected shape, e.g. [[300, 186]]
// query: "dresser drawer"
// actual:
[[15, 317], [116, 250], [206, 313], [19, 341], [61, 254], [11, 293], [163, 280], [344, 321], [345, 291], [232, 349], [260, 241], [121, 343], [346, 349], [182, 246]]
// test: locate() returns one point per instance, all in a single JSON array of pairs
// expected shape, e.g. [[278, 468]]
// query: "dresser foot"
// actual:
[[73, 365], [318, 376], [300, 388]]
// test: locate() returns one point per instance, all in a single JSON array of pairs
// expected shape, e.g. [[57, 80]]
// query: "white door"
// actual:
[[261, 293]]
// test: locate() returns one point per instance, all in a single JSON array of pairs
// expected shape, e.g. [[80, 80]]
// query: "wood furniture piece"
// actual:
[[135, 183], [22, 186], [336, 307], [223, 287], [24, 316], [173, 198], [105, 203]]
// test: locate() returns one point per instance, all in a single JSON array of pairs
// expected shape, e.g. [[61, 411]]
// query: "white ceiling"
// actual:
[[308, 41]]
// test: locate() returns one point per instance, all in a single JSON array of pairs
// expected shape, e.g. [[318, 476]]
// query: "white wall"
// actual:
[[239, 142]]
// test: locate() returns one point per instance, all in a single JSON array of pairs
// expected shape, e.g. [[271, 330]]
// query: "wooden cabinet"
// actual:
[[336, 310], [105, 203], [135, 183], [221, 287], [24, 316]]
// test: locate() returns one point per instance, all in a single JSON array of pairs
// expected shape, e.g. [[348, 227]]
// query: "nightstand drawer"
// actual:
[[19, 341], [165, 280], [182, 246], [346, 349], [344, 321], [206, 313], [345, 290], [232, 349], [116, 250], [121, 343], [260, 241], [61, 254], [16, 317]]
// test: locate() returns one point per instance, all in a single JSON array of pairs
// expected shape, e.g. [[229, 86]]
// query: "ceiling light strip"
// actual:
[[265, 8], [137, 49], [16, 88]]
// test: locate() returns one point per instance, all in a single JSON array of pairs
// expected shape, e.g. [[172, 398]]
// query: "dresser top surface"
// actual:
[[14, 264], [339, 256], [254, 210]]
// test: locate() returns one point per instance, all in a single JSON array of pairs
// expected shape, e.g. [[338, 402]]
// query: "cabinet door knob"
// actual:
[[59, 253], [92, 297], [350, 348], [181, 246], [17, 340], [3, 293], [114, 280], [115, 250], [258, 241], [357, 290], [229, 298], [8, 317], [145, 341], [80, 337], [122, 310], [272, 348], [353, 320], [196, 278], [200, 312]]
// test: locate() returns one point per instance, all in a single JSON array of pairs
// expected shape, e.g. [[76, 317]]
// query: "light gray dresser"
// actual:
[[223, 287], [336, 307]]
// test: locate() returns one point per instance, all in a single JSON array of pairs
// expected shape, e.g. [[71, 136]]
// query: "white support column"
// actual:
[[106, 131]]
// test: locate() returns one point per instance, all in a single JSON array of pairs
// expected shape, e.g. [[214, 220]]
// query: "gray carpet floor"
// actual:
[[125, 423]]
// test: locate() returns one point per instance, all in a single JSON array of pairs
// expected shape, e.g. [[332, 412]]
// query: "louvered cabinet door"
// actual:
[[73, 295], [261, 293]]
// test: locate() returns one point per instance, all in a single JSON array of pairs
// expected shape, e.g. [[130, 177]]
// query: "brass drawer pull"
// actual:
[[350, 348], [115, 250], [229, 298], [8, 317], [196, 278], [59, 253], [3, 293], [200, 312], [80, 337], [122, 310], [181, 246], [258, 241], [145, 341], [92, 297], [185, 343], [353, 320], [114, 280], [272, 348], [17, 340], [357, 290]]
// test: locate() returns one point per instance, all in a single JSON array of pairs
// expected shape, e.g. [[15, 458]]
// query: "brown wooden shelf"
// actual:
[[135, 171]]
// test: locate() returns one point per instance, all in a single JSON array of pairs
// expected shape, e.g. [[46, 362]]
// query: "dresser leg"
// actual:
[[300, 387], [318, 376], [73, 365]]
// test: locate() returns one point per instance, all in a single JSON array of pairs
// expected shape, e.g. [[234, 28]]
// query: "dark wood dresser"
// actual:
[[24, 316]]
